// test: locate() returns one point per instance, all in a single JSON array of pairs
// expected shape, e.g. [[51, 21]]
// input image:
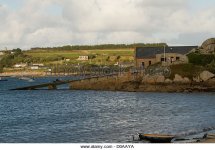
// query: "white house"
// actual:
[[2, 53], [83, 58], [21, 65], [39, 65], [67, 60], [36, 66]]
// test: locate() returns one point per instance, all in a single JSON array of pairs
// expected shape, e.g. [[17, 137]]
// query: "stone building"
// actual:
[[146, 56]]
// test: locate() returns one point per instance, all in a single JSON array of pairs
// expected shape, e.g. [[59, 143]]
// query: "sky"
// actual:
[[47, 23]]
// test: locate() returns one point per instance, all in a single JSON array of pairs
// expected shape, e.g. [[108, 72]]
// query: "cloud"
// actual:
[[53, 22]]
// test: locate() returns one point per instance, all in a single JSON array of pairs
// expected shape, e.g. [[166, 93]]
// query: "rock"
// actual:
[[186, 80], [178, 78], [197, 79], [206, 75], [153, 79], [168, 81], [145, 77], [148, 79], [211, 81], [208, 46], [160, 79]]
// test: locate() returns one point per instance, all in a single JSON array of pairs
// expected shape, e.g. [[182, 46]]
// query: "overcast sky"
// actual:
[[42, 23]]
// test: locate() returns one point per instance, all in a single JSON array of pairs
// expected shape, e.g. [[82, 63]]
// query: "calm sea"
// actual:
[[64, 116]]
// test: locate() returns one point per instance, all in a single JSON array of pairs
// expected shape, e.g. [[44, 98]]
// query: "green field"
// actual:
[[106, 57]]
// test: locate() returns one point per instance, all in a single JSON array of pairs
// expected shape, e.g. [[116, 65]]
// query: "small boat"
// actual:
[[157, 138], [26, 79], [3, 79]]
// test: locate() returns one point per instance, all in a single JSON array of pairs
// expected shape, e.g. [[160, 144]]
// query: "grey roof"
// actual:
[[150, 52]]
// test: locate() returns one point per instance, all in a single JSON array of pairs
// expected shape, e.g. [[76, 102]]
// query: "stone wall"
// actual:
[[146, 62], [171, 58]]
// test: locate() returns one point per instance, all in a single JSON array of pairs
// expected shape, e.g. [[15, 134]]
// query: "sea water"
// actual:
[[75, 116]]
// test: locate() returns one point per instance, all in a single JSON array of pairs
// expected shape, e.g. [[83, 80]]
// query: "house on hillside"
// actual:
[[21, 65], [2, 53], [83, 58], [146, 56], [36, 66]]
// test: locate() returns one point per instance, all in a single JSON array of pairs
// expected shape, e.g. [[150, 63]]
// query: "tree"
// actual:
[[201, 59], [118, 57], [92, 56], [1, 68], [17, 52], [108, 58]]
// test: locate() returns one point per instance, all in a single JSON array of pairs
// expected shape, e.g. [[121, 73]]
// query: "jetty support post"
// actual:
[[52, 87]]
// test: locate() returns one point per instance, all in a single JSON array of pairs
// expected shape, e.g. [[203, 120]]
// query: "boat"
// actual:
[[26, 79], [3, 79], [156, 138]]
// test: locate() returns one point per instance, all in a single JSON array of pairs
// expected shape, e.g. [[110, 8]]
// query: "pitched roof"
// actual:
[[150, 52]]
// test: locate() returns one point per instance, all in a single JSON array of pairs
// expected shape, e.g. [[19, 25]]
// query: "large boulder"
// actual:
[[186, 80], [178, 78], [197, 79], [148, 79], [208, 46], [168, 81], [160, 79], [153, 79], [206, 75]]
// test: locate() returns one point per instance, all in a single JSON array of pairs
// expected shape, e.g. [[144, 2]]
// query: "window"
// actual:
[[150, 62], [162, 59], [177, 58], [143, 64], [172, 59]]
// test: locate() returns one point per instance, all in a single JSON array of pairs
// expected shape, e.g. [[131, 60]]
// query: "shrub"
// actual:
[[211, 67], [92, 56], [1, 68], [201, 59], [186, 70]]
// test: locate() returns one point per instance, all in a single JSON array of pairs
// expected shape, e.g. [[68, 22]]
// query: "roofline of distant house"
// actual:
[[168, 48]]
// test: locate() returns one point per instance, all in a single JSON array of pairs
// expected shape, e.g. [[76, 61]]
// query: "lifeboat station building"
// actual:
[[146, 56]]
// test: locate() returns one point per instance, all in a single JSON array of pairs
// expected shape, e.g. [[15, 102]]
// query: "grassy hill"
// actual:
[[97, 57]]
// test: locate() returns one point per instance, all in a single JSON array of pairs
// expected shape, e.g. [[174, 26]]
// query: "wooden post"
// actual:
[[52, 87]]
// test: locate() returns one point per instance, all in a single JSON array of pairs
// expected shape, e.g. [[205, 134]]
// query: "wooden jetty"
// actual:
[[53, 85]]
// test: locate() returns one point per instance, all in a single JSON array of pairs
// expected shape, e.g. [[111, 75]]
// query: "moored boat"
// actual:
[[3, 79], [156, 138], [26, 79]]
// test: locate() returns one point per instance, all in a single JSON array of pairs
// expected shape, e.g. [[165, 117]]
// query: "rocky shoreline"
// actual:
[[205, 82], [23, 73]]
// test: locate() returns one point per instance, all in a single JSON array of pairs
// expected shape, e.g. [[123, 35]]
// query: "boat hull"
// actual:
[[3, 80], [156, 138]]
